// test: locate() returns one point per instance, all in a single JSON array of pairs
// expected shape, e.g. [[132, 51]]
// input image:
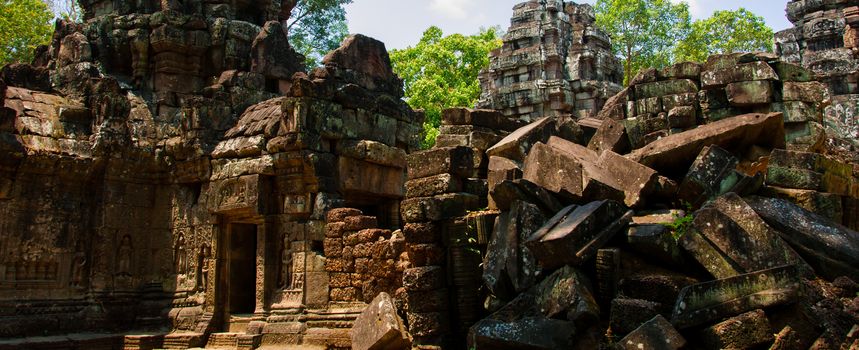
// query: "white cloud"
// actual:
[[454, 9]]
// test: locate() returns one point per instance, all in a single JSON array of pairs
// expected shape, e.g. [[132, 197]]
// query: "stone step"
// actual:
[[223, 341]]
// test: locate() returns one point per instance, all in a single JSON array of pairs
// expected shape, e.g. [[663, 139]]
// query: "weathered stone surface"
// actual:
[[830, 248], [657, 334], [272, 55], [433, 185], [740, 332], [458, 161], [439, 207], [567, 293], [517, 145], [710, 301], [421, 279], [740, 72], [628, 314], [667, 87], [749, 93], [655, 241], [509, 267], [610, 136], [811, 171], [808, 92], [379, 327], [678, 151], [574, 234], [739, 236], [713, 173]]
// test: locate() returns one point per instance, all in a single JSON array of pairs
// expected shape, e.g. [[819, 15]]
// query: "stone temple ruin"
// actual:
[[170, 178]]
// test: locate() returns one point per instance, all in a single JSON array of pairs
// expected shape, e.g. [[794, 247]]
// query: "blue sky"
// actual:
[[400, 23]]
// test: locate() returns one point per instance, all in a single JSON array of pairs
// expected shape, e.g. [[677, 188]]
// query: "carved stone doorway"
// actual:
[[241, 274]]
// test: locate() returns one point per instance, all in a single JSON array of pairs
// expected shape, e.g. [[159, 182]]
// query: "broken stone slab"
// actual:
[[709, 301], [525, 333], [458, 161], [807, 170], [379, 327], [627, 314], [508, 267], [828, 205], [682, 117], [610, 136], [656, 241], [554, 170], [739, 237], [714, 173], [660, 286], [518, 144], [741, 72], [805, 136], [832, 249], [603, 176], [574, 234], [545, 316], [507, 192], [744, 331], [567, 293], [665, 87], [750, 93], [678, 151], [655, 334]]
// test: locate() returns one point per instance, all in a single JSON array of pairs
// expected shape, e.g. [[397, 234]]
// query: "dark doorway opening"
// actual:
[[242, 283]]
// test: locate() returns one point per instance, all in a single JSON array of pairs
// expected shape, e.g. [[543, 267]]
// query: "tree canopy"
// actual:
[[723, 32], [643, 32], [316, 27], [25, 24], [441, 72]]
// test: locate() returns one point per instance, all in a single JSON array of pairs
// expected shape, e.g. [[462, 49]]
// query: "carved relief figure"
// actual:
[[78, 264], [180, 257], [203, 268], [124, 256]]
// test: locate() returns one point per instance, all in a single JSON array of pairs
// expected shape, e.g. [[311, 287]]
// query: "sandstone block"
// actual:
[[438, 208], [666, 87], [457, 161], [574, 234], [740, 332], [656, 334], [832, 249], [714, 300], [610, 136], [749, 93], [809, 92], [678, 151], [628, 314], [741, 72], [713, 173], [433, 185], [509, 267], [379, 327], [518, 144], [422, 232]]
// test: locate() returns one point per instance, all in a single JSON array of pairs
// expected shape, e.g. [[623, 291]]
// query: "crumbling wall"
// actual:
[[823, 40], [554, 60]]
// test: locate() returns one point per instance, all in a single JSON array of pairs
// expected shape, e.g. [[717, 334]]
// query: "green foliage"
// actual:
[[643, 32], [441, 72], [316, 27], [724, 32], [24, 24], [681, 224], [67, 9]]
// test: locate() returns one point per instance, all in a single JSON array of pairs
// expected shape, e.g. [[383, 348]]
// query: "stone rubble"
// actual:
[[171, 178]]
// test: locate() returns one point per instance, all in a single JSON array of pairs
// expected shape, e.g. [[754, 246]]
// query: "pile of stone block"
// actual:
[[685, 240], [361, 260], [554, 61], [680, 97]]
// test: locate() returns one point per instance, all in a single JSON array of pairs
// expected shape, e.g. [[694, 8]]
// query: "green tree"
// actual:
[[316, 27], [441, 72], [643, 32], [24, 24], [724, 32]]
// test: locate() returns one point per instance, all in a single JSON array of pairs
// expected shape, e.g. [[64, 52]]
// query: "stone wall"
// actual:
[[553, 61], [172, 145], [823, 40]]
